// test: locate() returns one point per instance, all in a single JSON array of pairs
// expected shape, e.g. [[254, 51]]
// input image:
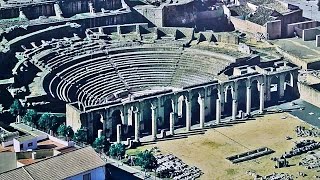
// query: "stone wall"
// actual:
[[289, 18], [293, 59], [152, 15], [73, 117], [310, 34], [309, 94], [273, 29], [179, 15], [301, 25], [247, 26], [33, 11], [69, 8], [298, 32]]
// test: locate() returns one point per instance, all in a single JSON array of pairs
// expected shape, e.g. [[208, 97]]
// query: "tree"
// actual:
[[146, 160], [16, 108], [44, 121], [117, 150], [54, 123], [49, 122], [80, 135], [62, 130], [101, 144], [30, 117], [69, 132]]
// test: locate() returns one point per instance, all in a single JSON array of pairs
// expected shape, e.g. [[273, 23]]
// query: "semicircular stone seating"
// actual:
[[89, 71]]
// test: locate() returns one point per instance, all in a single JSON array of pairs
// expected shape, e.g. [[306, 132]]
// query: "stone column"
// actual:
[[188, 114], [119, 133], [261, 98], [248, 100], [234, 109], [202, 111], [218, 111], [130, 113], [175, 110], [171, 128], [104, 123], [281, 86], [100, 133], [136, 126], [154, 122]]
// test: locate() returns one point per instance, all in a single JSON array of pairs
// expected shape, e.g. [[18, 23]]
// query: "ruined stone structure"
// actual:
[[137, 78], [270, 18], [132, 80]]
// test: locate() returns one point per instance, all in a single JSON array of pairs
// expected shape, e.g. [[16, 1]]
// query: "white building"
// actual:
[[25, 143]]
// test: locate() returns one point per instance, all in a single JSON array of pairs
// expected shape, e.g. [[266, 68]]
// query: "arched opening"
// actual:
[[289, 87], [146, 119], [181, 112], [96, 125], [255, 95], [167, 110], [274, 90], [228, 97], [116, 119], [211, 109], [242, 91], [195, 109]]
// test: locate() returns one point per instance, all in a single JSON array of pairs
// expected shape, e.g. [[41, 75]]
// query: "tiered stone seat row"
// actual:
[[92, 71]]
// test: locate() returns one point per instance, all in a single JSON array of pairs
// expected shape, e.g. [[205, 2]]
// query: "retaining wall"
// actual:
[[310, 34], [300, 25], [247, 26], [274, 29], [309, 94]]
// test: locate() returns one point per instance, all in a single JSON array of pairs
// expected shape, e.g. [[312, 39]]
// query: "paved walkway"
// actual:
[[27, 129]]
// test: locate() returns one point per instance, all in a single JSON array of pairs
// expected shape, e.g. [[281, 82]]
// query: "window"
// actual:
[[29, 144], [87, 176]]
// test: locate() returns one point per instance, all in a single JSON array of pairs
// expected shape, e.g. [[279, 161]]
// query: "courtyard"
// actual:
[[208, 151]]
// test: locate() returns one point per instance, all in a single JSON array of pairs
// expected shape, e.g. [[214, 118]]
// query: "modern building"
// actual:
[[25, 143], [81, 164]]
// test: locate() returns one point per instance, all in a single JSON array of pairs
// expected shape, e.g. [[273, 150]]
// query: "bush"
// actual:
[[100, 144], [117, 150], [80, 135], [62, 130], [146, 160]]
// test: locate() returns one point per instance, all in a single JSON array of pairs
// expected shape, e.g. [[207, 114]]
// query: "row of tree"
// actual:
[[47, 122]]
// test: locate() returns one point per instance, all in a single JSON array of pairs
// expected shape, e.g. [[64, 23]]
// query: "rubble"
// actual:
[[303, 132], [311, 161], [302, 147], [174, 168]]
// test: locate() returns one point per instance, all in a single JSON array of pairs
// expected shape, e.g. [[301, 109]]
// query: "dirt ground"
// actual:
[[209, 151]]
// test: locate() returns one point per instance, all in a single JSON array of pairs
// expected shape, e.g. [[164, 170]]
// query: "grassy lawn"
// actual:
[[210, 150]]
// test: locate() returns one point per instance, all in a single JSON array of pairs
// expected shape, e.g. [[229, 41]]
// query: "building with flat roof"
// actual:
[[24, 143]]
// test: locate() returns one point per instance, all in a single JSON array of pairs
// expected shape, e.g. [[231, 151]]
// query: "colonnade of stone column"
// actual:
[[136, 114]]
